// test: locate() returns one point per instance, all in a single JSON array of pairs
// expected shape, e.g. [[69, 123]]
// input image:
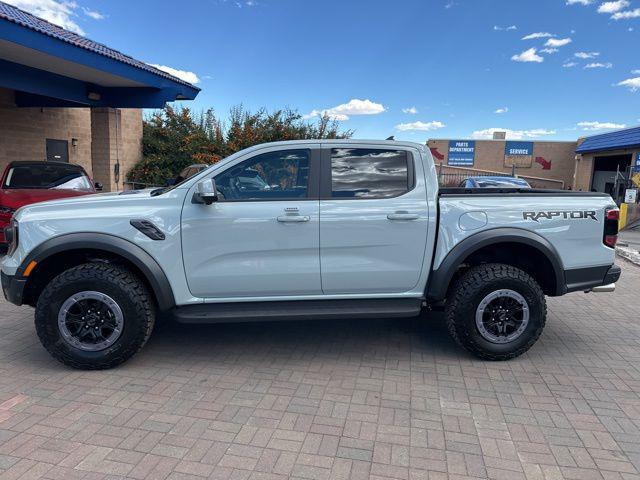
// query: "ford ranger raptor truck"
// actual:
[[301, 230]]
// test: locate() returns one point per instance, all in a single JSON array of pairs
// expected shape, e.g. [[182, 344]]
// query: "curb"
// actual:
[[629, 254]]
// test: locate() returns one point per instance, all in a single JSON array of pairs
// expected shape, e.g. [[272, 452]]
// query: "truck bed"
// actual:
[[449, 191]]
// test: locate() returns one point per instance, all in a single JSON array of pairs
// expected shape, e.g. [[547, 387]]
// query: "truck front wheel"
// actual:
[[496, 311], [94, 316]]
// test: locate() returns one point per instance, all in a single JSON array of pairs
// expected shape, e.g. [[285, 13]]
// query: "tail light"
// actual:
[[611, 217]]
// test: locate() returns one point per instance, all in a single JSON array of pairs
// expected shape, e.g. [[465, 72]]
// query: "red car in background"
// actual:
[[24, 183]]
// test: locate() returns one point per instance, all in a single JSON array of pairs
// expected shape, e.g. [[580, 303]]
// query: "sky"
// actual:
[[415, 69]]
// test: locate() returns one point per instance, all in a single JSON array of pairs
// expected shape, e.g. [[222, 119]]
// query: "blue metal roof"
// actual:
[[618, 140], [147, 86]]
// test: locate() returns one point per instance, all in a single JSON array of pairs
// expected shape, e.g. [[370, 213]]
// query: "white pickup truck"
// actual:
[[306, 229]]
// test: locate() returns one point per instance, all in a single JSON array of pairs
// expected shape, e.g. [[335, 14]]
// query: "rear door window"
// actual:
[[366, 173]]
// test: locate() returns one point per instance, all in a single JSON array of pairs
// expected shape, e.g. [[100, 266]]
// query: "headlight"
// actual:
[[11, 237]]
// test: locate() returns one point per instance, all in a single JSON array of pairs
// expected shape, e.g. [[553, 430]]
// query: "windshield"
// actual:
[[42, 176], [180, 180]]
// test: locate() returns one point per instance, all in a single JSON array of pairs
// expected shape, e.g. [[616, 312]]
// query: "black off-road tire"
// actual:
[[471, 288], [123, 286]]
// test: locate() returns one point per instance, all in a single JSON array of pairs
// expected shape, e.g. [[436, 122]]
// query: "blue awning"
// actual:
[[49, 66], [618, 140]]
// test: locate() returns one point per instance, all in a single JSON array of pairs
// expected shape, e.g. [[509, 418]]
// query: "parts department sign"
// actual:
[[519, 154], [461, 153]]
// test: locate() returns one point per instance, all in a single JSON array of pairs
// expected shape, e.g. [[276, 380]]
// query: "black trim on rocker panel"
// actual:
[[112, 244], [581, 279], [298, 310], [441, 278]]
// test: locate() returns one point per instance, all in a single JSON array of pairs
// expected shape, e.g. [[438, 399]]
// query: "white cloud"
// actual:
[[612, 7], [60, 13], [632, 84], [529, 55], [599, 65], [320, 113], [590, 126], [626, 14], [422, 126], [181, 74], [93, 14], [512, 134], [502, 110], [549, 50], [410, 110], [635, 72], [533, 36], [246, 3], [354, 106], [557, 42], [581, 2], [498, 28], [569, 64], [585, 55]]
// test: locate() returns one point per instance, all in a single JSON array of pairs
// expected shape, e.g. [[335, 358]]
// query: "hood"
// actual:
[[98, 198], [16, 198]]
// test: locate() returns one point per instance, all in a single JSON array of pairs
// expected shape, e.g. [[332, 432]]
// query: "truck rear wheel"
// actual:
[[496, 311], [94, 316]]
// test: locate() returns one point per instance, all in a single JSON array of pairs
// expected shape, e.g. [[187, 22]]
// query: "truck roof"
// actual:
[[342, 141]]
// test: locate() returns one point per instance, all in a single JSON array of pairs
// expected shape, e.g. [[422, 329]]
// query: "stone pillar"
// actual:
[[583, 172], [116, 138]]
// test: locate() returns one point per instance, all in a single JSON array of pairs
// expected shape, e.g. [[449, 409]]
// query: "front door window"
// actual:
[[273, 176]]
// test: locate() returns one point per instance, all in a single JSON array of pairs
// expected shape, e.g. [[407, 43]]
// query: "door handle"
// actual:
[[293, 218], [403, 215]]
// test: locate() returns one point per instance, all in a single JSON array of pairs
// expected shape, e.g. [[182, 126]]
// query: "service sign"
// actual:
[[461, 153], [519, 154]]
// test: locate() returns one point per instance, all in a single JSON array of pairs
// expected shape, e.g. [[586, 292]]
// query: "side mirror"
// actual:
[[98, 186], [205, 192]]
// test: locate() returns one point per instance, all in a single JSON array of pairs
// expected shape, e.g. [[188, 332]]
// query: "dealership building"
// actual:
[[64, 97], [588, 164]]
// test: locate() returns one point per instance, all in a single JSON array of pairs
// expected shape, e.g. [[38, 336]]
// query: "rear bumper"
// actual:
[[586, 279], [13, 288]]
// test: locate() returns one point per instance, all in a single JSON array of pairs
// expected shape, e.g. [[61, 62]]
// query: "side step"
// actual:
[[297, 310]]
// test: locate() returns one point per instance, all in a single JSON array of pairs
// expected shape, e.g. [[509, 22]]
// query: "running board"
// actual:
[[297, 310]]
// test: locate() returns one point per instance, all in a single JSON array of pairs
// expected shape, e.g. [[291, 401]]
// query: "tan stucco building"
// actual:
[[588, 164], [546, 160]]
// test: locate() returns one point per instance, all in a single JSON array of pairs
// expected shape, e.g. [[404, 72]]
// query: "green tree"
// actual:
[[173, 139]]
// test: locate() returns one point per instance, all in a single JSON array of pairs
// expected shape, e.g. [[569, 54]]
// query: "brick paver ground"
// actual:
[[333, 400]]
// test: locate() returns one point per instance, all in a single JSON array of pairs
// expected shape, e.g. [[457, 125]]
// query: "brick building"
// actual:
[[64, 97]]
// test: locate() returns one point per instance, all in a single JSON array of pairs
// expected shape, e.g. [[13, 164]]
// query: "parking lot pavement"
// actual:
[[333, 400]]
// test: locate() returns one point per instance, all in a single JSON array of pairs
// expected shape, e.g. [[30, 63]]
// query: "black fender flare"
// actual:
[[441, 278], [149, 267]]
